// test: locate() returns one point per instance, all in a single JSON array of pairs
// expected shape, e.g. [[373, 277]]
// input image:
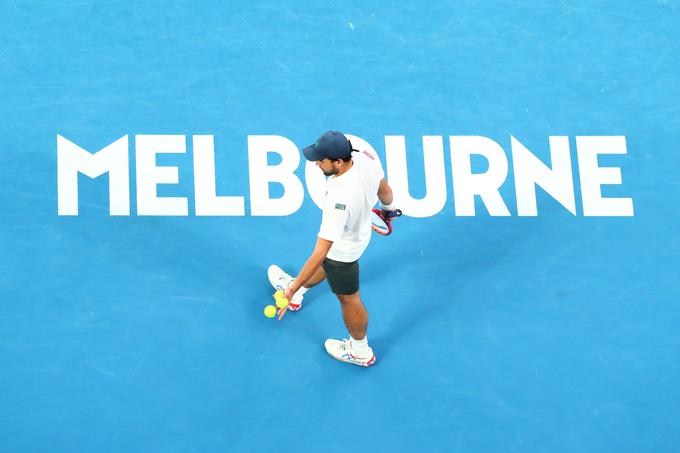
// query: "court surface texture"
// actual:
[[548, 333]]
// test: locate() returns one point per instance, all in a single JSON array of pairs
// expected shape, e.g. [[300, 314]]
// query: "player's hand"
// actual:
[[288, 294], [390, 214]]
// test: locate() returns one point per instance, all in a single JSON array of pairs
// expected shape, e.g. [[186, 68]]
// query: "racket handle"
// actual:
[[389, 215]]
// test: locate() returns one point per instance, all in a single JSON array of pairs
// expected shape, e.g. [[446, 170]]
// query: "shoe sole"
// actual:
[[365, 365], [370, 362], [270, 276]]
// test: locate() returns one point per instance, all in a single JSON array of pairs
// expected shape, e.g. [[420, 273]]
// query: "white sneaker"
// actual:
[[281, 281], [342, 350]]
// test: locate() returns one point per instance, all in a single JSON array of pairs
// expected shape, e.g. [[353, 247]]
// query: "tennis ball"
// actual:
[[278, 294], [282, 302], [270, 311]]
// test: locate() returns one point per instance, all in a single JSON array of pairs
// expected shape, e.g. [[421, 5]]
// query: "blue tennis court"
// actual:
[[549, 333]]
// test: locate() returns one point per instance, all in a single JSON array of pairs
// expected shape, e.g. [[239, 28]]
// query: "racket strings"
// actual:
[[379, 224]]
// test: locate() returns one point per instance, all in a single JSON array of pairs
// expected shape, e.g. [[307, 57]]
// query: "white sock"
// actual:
[[359, 346]]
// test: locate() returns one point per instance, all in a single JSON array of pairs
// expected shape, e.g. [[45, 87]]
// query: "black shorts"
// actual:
[[343, 278]]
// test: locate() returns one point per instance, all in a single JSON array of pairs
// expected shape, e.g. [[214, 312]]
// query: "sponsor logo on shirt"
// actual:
[[340, 206]]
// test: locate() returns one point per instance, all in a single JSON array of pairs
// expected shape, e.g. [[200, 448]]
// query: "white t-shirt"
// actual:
[[346, 219]]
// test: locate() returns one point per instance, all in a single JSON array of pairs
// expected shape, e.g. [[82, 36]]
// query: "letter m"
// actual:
[[72, 160]]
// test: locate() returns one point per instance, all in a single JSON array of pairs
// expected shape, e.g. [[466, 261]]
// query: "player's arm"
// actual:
[[313, 262], [385, 193], [387, 208]]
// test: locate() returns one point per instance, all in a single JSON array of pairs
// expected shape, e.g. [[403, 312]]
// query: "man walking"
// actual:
[[356, 183]]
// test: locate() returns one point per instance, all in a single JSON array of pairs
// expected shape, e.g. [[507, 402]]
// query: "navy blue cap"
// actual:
[[332, 145]]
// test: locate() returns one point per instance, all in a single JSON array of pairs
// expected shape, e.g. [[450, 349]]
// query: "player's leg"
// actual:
[[343, 279], [354, 314], [315, 279]]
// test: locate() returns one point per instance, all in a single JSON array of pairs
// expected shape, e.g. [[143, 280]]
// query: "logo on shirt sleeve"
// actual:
[[340, 206]]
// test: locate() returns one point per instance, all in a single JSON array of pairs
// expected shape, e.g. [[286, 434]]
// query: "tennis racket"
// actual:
[[382, 223]]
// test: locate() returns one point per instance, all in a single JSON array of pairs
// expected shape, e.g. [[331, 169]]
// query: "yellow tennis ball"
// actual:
[[282, 302], [278, 294], [270, 311]]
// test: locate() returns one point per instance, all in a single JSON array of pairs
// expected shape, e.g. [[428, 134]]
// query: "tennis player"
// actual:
[[356, 183]]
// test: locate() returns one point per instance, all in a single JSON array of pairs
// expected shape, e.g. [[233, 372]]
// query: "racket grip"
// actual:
[[389, 215]]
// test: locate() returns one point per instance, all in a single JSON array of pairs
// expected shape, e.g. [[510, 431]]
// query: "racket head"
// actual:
[[379, 224]]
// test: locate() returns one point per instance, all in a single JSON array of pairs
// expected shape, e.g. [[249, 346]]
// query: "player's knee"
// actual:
[[349, 298]]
